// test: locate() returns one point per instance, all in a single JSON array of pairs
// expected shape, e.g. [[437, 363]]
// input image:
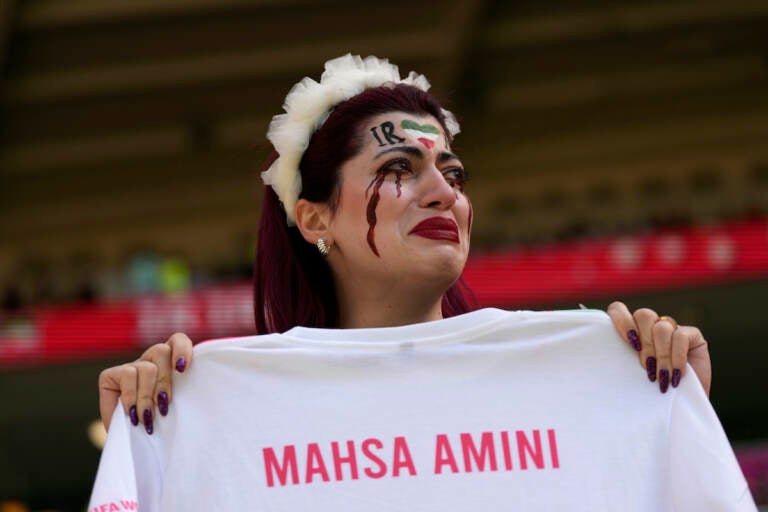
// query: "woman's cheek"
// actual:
[[373, 194], [380, 188]]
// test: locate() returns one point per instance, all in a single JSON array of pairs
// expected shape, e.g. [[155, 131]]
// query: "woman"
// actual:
[[362, 220], [366, 225]]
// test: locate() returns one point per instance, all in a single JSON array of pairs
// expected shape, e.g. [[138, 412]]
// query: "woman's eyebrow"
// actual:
[[411, 150], [444, 156]]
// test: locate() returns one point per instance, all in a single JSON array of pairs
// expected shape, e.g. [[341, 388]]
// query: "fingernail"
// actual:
[[162, 402], [650, 367], [148, 421], [133, 415], [664, 380], [676, 374], [181, 364], [634, 339]]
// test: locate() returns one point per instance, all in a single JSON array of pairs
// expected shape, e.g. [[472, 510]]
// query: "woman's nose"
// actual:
[[436, 192]]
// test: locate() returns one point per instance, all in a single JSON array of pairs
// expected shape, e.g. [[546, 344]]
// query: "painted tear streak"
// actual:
[[370, 211], [427, 134]]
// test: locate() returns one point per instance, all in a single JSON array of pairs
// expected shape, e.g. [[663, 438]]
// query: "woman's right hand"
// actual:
[[145, 382]]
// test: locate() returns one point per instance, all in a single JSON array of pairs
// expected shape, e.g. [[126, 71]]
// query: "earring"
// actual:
[[323, 247]]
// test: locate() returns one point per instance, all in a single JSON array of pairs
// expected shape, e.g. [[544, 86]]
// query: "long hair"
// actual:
[[293, 284]]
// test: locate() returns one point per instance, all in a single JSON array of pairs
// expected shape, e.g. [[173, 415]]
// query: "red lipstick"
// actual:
[[437, 228]]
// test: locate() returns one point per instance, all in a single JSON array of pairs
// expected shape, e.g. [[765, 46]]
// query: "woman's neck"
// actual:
[[386, 309]]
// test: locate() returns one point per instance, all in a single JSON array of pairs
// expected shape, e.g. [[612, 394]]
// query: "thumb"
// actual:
[[109, 393], [699, 360]]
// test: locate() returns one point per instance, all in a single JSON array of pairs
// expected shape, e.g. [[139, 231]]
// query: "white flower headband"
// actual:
[[308, 105]]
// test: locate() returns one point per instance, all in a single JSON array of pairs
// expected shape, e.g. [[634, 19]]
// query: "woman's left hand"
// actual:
[[664, 347]]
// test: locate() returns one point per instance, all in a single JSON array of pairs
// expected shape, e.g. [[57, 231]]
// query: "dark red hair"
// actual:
[[292, 282]]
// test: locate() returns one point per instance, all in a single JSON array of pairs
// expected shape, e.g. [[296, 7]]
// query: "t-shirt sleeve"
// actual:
[[704, 474], [129, 477]]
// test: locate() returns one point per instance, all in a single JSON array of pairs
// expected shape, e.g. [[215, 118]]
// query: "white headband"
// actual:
[[308, 105]]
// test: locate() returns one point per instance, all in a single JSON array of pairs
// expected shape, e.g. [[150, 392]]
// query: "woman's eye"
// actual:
[[456, 177], [398, 166]]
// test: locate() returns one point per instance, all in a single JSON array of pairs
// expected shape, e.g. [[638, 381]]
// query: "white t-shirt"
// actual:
[[491, 410]]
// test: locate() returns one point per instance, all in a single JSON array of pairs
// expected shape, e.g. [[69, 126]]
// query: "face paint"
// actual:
[[388, 131], [398, 176], [371, 209], [427, 134], [376, 184], [384, 134]]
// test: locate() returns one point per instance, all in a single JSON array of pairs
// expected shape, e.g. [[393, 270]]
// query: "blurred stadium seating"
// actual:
[[617, 150]]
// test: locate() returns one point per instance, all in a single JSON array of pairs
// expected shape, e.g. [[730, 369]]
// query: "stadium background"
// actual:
[[617, 151]]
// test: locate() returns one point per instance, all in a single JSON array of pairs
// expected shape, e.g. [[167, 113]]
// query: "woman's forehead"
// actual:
[[395, 128]]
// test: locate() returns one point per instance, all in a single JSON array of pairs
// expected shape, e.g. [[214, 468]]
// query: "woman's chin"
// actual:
[[444, 267]]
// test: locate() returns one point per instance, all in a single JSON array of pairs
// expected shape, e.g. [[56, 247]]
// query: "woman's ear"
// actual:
[[313, 220]]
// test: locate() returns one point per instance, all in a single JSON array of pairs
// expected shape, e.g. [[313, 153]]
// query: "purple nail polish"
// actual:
[[162, 402], [181, 364], [650, 367], [676, 374], [664, 380], [133, 415], [148, 421], [634, 339]]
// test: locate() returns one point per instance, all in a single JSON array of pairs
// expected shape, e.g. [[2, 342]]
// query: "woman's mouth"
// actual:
[[437, 228]]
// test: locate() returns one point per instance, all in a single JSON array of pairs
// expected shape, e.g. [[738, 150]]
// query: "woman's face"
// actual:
[[402, 213]]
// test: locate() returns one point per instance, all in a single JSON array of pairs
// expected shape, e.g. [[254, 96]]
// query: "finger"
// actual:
[[645, 319], [681, 343], [181, 351], [625, 324], [685, 340], [112, 383], [662, 342], [109, 392], [698, 358], [146, 387], [160, 355]]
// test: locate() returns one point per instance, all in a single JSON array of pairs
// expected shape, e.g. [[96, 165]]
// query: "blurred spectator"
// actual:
[[37, 277], [201, 276], [174, 274], [85, 270], [16, 327], [112, 282], [143, 272]]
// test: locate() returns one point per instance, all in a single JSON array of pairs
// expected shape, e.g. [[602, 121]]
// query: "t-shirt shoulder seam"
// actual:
[[215, 344]]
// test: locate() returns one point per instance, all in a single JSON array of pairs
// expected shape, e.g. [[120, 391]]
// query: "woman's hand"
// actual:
[[145, 382], [664, 347]]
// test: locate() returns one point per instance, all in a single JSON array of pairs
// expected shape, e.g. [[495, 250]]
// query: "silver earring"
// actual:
[[323, 247]]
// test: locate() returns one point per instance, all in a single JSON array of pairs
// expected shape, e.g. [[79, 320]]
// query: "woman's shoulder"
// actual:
[[235, 343], [554, 316]]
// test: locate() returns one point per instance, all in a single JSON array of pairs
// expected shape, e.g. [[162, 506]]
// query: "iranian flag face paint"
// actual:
[[427, 134]]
